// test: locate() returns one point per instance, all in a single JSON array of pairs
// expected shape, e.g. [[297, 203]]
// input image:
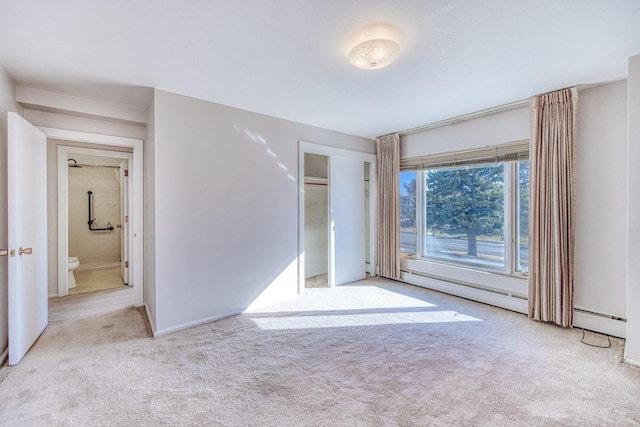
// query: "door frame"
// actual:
[[329, 152], [136, 208], [63, 205]]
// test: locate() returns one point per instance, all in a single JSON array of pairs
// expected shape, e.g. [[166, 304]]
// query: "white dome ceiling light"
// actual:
[[374, 54]]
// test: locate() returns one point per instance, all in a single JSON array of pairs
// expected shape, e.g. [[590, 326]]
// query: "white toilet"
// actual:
[[73, 264]]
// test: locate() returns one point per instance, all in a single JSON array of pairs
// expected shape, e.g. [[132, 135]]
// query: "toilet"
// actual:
[[74, 262]]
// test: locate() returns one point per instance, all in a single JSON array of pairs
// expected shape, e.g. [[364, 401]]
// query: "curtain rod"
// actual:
[[464, 117], [488, 111]]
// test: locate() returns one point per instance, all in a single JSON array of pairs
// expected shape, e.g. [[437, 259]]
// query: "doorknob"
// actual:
[[27, 251], [4, 252]]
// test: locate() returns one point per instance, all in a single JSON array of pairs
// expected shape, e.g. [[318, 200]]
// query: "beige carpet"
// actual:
[[376, 353], [89, 304]]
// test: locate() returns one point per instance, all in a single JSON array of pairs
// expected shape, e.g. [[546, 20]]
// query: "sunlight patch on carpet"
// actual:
[[329, 320]]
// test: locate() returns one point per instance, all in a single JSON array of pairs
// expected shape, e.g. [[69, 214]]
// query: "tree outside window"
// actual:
[[465, 209]]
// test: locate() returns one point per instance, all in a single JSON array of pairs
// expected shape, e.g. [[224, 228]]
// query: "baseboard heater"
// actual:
[[584, 319], [491, 296]]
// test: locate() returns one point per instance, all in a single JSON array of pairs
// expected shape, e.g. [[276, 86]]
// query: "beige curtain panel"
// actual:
[[388, 219], [552, 206]]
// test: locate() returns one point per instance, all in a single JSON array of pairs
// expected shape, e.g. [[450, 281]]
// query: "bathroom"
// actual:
[[96, 213]]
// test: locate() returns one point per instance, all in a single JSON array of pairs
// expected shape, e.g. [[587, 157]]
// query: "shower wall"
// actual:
[[94, 245]]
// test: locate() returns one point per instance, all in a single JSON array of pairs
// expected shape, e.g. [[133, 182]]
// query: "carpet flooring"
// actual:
[[374, 353], [319, 281], [90, 303]]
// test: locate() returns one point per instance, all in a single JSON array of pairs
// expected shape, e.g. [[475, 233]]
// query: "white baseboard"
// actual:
[[165, 331], [632, 362], [581, 319], [596, 323], [4, 356], [488, 297], [53, 295]]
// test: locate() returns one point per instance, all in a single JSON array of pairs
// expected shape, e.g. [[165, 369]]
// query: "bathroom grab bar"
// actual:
[[110, 228]]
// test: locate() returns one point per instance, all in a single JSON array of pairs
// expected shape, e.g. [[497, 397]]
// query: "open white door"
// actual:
[[27, 235], [347, 227], [124, 221]]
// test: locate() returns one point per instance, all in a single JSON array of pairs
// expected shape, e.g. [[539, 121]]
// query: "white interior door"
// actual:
[[347, 227], [27, 235], [124, 221]]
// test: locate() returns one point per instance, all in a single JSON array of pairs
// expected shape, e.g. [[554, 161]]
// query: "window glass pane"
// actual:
[[408, 230], [465, 215], [523, 216]]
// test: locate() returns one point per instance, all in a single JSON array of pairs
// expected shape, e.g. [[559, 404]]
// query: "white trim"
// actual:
[[506, 301], [4, 356], [94, 138], [323, 150], [603, 325], [582, 320], [182, 326], [136, 169], [331, 230], [52, 296], [632, 362]]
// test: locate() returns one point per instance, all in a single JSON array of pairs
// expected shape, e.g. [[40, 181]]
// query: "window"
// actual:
[[464, 219], [408, 230], [472, 212], [523, 216]]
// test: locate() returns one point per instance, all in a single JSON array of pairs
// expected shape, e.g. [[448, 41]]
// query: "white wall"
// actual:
[[7, 103], [601, 200], [601, 189], [90, 245], [494, 129], [226, 208], [632, 349]]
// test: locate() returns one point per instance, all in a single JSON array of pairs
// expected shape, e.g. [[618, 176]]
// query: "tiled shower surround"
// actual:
[[94, 245]]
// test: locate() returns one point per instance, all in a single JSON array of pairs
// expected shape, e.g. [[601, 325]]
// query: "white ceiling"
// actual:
[[287, 58]]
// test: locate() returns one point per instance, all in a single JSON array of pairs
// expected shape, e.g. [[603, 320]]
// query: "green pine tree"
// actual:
[[467, 200]]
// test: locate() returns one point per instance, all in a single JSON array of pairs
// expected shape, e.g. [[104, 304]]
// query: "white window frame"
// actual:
[[511, 220]]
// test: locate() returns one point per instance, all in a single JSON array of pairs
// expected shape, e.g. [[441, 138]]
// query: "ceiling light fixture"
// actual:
[[374, 54]]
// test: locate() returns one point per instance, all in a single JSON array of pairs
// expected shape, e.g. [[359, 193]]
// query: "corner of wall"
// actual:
[[149, 220], [632, 347]]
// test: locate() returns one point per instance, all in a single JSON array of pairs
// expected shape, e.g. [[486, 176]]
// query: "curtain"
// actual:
[[388, 218], [552, 206]]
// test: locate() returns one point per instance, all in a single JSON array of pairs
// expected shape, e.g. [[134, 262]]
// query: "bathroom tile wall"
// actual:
[[94, 245]]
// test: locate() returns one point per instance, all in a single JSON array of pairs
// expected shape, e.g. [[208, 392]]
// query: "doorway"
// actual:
[[101, 143], [336, 235], [316, 221], [97, 232], [92, 220]]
